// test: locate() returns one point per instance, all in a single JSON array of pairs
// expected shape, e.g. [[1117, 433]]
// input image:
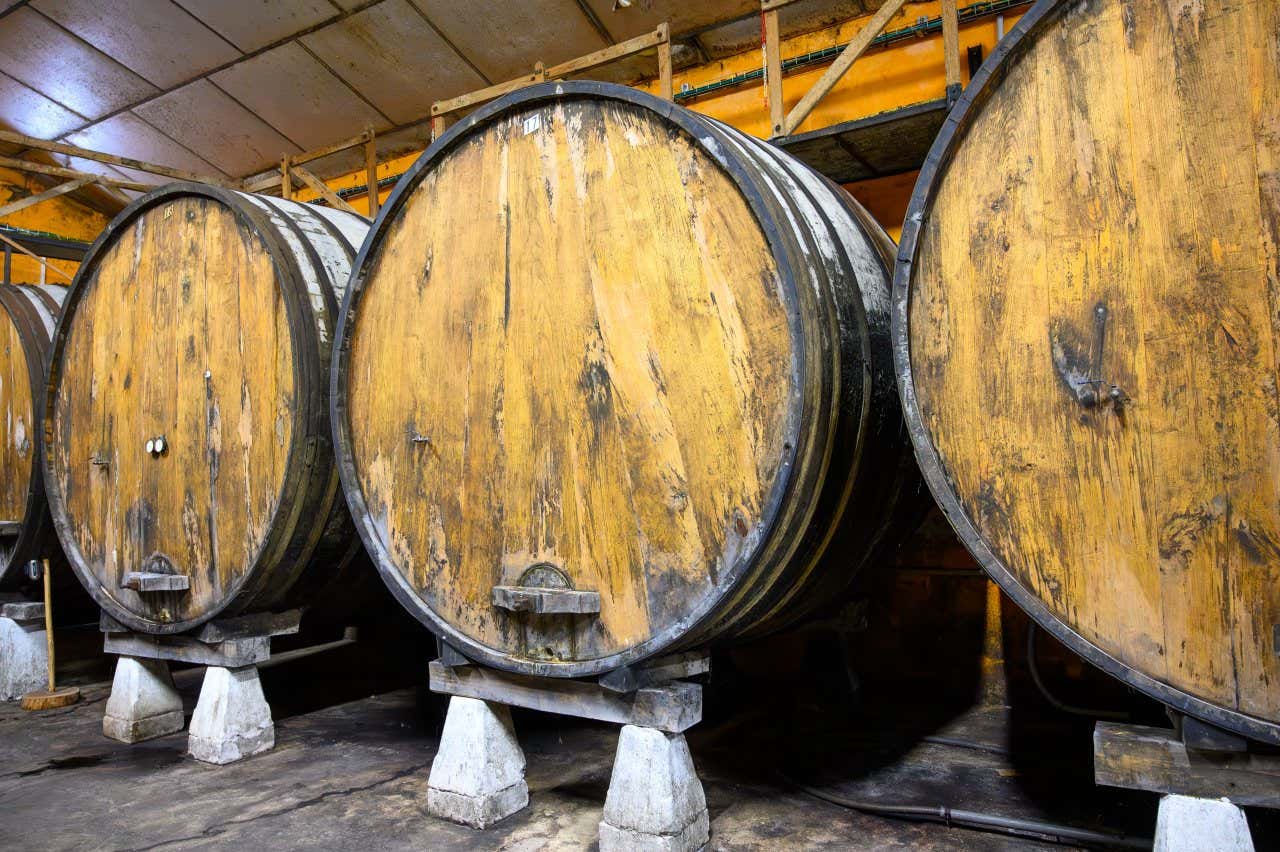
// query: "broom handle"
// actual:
[[48, 619]]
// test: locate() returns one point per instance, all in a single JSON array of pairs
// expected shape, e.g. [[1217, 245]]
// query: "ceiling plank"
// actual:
[[112, 159]]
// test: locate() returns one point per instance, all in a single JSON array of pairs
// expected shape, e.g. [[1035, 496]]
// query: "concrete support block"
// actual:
[[232, 719], [655, 801], [477, 777], [24, 659], [144, 703], [1189, 824]]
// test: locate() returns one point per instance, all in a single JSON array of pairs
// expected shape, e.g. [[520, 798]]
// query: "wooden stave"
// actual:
[[302, 553], [789, 250], [982, 87], [34, 310]]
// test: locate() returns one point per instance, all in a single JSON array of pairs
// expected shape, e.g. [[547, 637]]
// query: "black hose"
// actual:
[[1048, 696], [1047, 831]]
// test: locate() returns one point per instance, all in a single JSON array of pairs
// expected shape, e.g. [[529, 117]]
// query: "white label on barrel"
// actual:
[[532, 123]]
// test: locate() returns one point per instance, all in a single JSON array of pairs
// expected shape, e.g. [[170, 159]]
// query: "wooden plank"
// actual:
[[1153, 759], [842, 64], [250, 626], [34, 256], [521, 599], [32, 200], [185, 649], [951, 46], [773, 72], [317, 153], [371, 174], [112, 159], [62, 171], [148, 581], [774, 5], [482, 95], [659, 36], [657, 671], [666, 86], [672, 708], [321, 187], [286, 185]]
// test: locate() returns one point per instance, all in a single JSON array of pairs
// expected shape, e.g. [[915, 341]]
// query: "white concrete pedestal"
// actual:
[[24, 653], [232, 719], [144, 703], [1189, 824], [477, 777], [655, 801]]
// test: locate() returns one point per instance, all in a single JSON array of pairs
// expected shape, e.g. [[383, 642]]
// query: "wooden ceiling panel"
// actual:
[[505, 39], [294, 93], [800, 17], [27, 111], [209, 122], [392, 56], [251, 24], [126, 135], [644, 15], [155, 39], [39, 53]]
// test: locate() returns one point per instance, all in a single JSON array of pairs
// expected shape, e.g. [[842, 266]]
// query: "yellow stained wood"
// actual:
[[1128, 164], [182, 332], [17, 432], [578, 309]]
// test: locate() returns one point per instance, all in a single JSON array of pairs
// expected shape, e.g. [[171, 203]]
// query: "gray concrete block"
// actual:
[[655, 799], [1189, 824], [144, 703], [477, 777], [232, 719], [24, 660]]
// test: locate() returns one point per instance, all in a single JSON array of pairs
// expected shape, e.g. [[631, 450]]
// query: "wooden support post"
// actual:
[[286, 185], [335, 200], [665, 84], [842, 64], [32, 200], [37, 258], [8, 264], [951, 49], [773, 72], [371, 174]]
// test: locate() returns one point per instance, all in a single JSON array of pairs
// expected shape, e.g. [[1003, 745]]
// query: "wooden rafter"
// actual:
[[110, 159], [320, 187], [841, 65], [37, 258], [32, 200], [60, 171]]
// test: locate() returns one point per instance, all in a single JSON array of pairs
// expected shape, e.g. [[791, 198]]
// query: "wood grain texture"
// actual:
[[601, 343], [1109, 219], [580, 312], [186, 290], [17, 429]]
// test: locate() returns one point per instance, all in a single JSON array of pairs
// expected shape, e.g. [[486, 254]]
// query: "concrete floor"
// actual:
[[353, 776]]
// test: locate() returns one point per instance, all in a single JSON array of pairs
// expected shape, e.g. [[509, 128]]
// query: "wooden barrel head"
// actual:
[[19, 429], [572, 368], [1088, 339], [172, 409]]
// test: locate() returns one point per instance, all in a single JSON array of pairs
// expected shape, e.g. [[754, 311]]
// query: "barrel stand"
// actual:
[[655, 800], [24, 656], [1204, 774], [232, 719]]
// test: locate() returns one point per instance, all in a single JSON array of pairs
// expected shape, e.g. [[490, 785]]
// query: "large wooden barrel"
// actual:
[[190, 468], [615, 379], [1086, 338], [27, 316]]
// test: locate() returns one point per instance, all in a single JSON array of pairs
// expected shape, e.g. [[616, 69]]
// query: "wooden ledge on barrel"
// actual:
[[10, 528], [150, 581], [545, 601]]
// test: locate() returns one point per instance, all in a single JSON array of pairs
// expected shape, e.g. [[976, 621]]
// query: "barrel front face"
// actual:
[[1087, 340], [19, 433], [175, 406], [573, 366]]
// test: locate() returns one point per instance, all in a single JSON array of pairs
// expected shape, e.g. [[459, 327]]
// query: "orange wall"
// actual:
[[61, 216]]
